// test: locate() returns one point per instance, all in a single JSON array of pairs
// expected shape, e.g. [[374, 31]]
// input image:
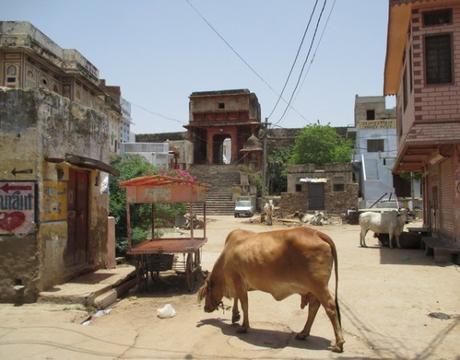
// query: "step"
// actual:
[[87, 288]]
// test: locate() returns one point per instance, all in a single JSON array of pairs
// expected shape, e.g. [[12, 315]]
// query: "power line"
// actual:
[[304, 63], [295, 59], [157, 114], [317, 46], [253, 70]]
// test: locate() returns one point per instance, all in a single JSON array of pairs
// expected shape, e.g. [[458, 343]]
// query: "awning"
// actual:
[[85, 162]]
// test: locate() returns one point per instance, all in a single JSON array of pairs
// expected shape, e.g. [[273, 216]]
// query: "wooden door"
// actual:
[[316, 196], [77, 217]]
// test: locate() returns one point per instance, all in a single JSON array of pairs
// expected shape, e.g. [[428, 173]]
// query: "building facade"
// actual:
[[376, 150], [29, 60], [422, 69], [329, 187], [56, 121], [126, 120], [219, 115]]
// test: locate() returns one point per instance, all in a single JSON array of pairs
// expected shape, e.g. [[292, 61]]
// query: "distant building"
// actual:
[[126, 121], [422, 68], [375, 151], [157, 154], [329, 187], [219, 115]]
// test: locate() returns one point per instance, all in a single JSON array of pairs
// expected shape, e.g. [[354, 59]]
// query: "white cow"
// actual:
[[391, 223]]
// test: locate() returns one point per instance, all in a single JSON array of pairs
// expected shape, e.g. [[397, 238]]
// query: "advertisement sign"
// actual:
[[17, 207]]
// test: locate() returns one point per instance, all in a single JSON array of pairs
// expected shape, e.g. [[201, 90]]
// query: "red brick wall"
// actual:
[[430, 103]]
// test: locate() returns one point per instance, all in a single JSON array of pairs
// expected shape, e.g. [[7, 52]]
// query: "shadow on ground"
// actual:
[[267, 338]]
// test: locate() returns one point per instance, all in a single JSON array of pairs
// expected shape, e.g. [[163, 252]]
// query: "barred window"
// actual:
[[375, 145], [438, 59]]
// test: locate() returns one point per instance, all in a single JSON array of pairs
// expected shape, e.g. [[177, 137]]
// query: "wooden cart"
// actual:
[[160, 254]]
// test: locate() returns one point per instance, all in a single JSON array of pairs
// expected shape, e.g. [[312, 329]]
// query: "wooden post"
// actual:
[[128, 223], [191, 220], [153, 221], [204, 220]]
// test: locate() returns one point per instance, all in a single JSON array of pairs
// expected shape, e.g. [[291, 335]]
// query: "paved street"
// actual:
[[385, 297]]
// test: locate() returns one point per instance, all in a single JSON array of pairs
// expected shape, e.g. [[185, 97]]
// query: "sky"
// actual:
[[160, 51]]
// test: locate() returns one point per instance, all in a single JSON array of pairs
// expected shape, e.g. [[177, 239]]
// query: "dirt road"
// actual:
[[385, 297]]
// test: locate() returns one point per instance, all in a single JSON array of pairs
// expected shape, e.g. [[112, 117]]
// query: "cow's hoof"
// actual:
[[242, 330], [235, 318], [338, 348], [301, 336]]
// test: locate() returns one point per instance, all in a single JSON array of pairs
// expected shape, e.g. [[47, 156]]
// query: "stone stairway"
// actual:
[[221, 179]]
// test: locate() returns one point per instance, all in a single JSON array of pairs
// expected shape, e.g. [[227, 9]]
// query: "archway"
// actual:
[[222, 149]]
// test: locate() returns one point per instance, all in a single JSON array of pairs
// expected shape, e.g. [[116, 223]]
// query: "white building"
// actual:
[[376, 149], [157, 154], [126, 120]]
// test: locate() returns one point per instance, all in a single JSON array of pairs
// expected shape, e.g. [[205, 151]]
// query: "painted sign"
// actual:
[[54, 204], [17, 207], [377, 124]]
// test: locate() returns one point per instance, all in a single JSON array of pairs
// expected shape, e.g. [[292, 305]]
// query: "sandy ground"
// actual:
[[385, 297]]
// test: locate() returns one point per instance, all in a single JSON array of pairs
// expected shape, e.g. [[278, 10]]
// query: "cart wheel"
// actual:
[[189, 280]]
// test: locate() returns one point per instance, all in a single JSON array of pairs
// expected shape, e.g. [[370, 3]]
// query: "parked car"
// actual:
[[244, 208]]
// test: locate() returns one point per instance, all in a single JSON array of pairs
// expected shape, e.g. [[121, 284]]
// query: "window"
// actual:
[[298, 187], [437, 17], [370, 114], [11, 72], [338, 184], [438, 59], [375, 145], [221, 105]]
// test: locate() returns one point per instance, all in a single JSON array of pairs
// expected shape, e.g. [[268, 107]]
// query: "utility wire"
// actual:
[[317, 46], [157, 113], [304, 63], [295, 59], [253, 70]]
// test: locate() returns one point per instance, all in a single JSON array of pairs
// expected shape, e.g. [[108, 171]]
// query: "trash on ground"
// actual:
[[439, 315], [166, 311]]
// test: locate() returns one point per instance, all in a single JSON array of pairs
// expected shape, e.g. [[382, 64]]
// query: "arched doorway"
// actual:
[[222, 149]]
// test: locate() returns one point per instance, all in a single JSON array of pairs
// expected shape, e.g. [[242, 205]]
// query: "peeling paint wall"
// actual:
[[36, 125]]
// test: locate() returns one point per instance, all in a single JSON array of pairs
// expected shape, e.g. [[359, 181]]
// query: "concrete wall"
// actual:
[[35, 125]]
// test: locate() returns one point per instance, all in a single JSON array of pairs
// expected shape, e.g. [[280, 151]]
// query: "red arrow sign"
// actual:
[[7, 187]]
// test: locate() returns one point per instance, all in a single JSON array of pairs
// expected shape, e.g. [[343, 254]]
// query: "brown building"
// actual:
[[329, 187], [55, 145], [219, 115], [29, 60], [422, 69]]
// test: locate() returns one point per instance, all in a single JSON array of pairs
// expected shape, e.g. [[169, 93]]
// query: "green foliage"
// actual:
[[320, 144], [131, 166], [277, 169]]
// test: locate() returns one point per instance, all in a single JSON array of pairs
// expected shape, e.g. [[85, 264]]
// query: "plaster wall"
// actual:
[[35, 125]]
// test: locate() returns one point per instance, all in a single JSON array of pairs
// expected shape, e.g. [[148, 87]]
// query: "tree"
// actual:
[[129, 166], [277, 169], [320, 144]]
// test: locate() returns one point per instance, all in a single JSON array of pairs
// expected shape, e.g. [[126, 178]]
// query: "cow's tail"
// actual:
[[336, 266]]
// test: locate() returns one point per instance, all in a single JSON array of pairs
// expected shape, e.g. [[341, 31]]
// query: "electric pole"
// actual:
[[264, 160]]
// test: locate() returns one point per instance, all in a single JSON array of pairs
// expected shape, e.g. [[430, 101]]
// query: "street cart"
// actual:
[[181, 254]]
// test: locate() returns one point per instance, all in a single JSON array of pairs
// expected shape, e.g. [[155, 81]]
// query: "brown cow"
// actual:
[[282, 263]]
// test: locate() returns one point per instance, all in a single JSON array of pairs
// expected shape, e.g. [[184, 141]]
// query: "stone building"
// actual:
[[56, 119], [422, 69], [219, 115], [29, 59], [330, 188]]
